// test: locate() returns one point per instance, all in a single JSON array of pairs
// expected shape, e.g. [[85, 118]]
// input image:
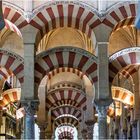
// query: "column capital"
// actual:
[[30, 106], [90, 122], [102, 111]]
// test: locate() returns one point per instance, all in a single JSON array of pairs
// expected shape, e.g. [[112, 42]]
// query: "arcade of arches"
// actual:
[[70, 68]]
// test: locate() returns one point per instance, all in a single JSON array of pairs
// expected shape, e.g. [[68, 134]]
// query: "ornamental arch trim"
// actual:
[[71, 97], [65, 14], [12, 61], [121, 59], [70, 57], [121, 14]]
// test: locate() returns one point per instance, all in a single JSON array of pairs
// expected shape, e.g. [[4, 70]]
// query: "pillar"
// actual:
[[84, 134], [30, 108], [90, 126], [116, 127], [103, 97], [42, 127], [102, 121], [89, 117], [133, 125], [134, 129], [29, 57]]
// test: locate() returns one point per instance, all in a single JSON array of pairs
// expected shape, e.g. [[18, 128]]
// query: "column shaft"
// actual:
[[29, 127], [29, 120], [28, 71], [102, 121], [42, 133], [84, 134], [134, 130]]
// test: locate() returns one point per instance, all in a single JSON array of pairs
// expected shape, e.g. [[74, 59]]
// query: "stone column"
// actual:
[[133, 124], [42, 127], [29, 120], [134, 129], [29, 57], [90, 126], [116, 127], [84, 134], [102, 121]]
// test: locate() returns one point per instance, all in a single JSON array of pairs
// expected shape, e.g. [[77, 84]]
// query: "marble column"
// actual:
[[28, 87], [84, 134], [102, 121], [29, 119], [138, 129], [117, 127], [133, 124], [90, 126], [134, 129]]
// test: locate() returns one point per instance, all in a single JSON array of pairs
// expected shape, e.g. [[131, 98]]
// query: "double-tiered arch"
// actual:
[[70, 57]]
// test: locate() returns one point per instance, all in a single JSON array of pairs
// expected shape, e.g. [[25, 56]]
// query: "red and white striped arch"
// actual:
[[11, 95], [121, 15], [65, 132], [65, 69], [123, 95], [15, 16], [4, 73], [65, 84], [12, 62], [70, 57], [65, 14], [111, 111], [61, 96], [65, 135], [121, 59], [9, 25], [66, 120], [66, 110]]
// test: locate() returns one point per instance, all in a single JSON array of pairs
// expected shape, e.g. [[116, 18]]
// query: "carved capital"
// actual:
[[30, 106], [90, 122], [102, 111]]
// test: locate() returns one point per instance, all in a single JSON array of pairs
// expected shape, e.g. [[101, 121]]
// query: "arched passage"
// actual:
[[65, 14], [121, 15], [66, 97], [11, 95], [66, 57], [13, 62], [122, 59]]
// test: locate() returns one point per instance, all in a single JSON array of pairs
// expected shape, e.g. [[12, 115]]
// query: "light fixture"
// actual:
[[96, 115]]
